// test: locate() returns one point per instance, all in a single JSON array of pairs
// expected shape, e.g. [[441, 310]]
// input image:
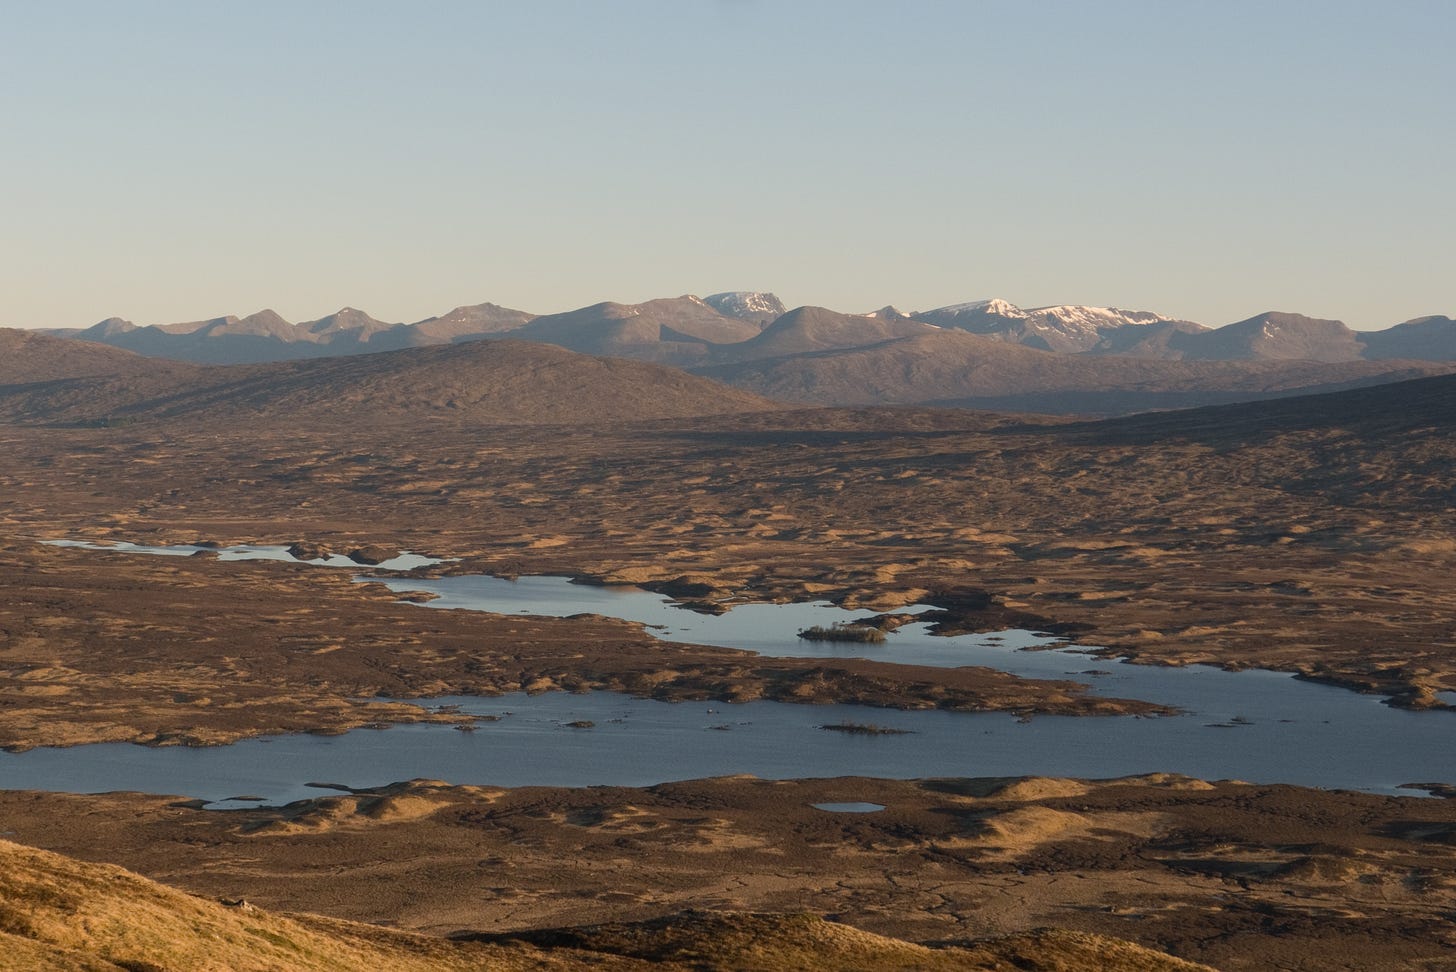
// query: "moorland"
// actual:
[[1305, 534]]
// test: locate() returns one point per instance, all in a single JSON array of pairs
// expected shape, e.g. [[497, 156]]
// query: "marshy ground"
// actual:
[[1310, 539]]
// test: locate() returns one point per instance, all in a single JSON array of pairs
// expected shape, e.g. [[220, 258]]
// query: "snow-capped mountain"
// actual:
[[743, 325], [973, 310], [889, 313], [1072, 328], [747, 305]]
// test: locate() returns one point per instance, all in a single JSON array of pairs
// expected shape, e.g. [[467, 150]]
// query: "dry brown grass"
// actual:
[[60, 914]]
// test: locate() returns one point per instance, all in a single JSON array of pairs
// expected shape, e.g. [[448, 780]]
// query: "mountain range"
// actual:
[[725, 327], [983, 354]]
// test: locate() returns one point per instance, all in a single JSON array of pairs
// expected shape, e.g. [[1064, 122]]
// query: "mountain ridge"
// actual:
[[693, 330]]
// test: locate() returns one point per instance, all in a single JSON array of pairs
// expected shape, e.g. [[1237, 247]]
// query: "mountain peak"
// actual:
[[110, 327], [1278, 335], [987, 306], [347, 319], [757, 306], [888, 313]]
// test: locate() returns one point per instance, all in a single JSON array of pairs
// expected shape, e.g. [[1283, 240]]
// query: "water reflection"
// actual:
[[1255, 725]]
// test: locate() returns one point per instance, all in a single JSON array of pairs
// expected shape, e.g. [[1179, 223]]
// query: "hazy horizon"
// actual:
[[171, 163]]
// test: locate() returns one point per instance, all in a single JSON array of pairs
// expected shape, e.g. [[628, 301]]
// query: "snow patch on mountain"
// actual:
[[747, 304], [990, 307]]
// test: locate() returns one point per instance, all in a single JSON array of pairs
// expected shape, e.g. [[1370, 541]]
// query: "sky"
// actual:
[[174, 161]]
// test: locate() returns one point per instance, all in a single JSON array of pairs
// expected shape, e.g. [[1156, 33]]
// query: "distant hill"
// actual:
[[675, 330], [469, 323], [817, 355], [689, 330], [951, 367], [1425, 338], [1274, 336], [1070, 328], [1159, 339], [819, 329], [505, 382], [267, 336]]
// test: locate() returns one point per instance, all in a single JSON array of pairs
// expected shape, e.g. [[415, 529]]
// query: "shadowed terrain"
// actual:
[[498, 382], [954, 368]]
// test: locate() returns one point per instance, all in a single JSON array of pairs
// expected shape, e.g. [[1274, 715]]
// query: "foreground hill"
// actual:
[[475, 383], [61, 914], [952, 367]]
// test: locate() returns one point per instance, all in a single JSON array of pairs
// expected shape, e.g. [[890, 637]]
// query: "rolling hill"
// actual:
[[267, 336], [29, 358], [675, 330], [956, 368], [1274, 336], [58, 913], [505, 382], [820, 329], [1427, 338]]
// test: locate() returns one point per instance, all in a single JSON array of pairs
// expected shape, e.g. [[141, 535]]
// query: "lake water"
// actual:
[[245, 551], [637, 742], [769, 629], [1255, 725]]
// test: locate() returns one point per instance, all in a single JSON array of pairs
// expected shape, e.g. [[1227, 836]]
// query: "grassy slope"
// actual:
[[60, 914]]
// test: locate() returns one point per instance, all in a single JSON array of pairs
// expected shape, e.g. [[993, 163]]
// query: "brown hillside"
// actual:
[[28, 359], [476, 383], [956, 368], [61, 914], [1275, 336], [672, 330], [806, 329]]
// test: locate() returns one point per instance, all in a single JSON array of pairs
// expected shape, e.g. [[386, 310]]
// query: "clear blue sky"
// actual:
[[167, 161]]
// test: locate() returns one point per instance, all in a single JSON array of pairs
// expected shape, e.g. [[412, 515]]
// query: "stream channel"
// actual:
[[1255, 725]]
